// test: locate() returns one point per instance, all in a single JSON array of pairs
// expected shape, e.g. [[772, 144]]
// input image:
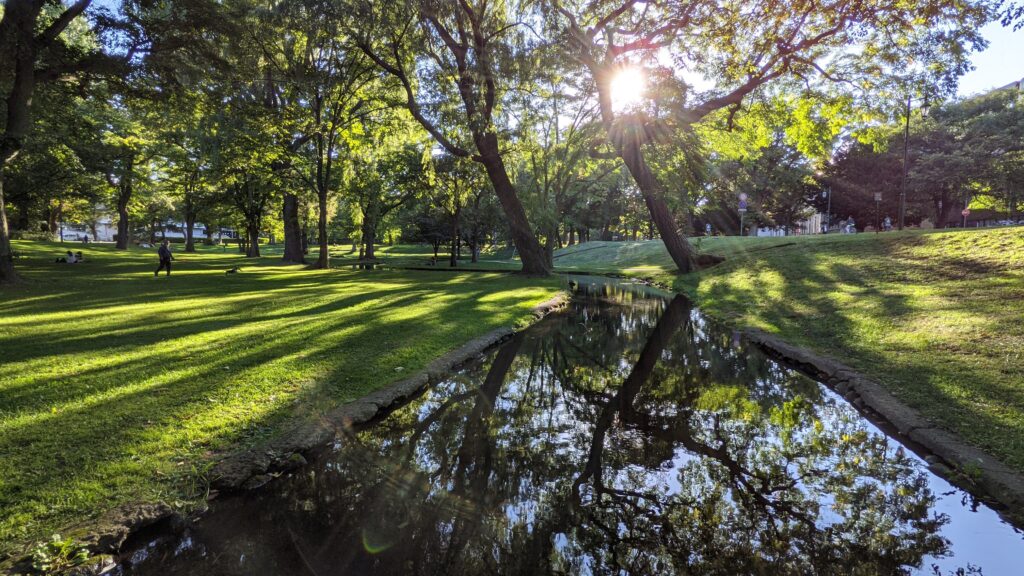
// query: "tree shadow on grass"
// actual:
[[267, 358]]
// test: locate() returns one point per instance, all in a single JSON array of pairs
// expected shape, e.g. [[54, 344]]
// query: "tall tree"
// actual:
[[322, 87], [29, 32], [741, 47], [476, 52], [387, 172]]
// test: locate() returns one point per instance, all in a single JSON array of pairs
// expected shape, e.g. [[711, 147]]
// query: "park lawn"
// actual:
[[937, 317], [401, 256], [119, 387]]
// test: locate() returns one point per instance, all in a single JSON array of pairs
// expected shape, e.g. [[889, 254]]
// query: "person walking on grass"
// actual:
[[165, 258]]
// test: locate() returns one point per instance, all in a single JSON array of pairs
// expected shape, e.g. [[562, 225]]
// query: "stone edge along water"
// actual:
[[963, 465]]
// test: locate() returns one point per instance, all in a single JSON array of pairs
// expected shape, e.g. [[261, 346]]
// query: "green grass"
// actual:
[[394, 256], [118, 387], [937, 317]]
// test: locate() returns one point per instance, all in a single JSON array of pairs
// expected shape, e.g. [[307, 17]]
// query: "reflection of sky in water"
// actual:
[[477, 470]]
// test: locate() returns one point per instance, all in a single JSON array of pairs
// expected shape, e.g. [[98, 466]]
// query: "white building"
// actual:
[[812, 225], [106, 229]]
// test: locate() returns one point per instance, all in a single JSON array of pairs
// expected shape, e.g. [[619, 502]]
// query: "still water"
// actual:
[[626, 435]]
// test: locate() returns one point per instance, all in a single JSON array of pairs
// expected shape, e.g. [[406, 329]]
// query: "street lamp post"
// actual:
[[906, 156], [878, 211], [828, 211], [742, 210]]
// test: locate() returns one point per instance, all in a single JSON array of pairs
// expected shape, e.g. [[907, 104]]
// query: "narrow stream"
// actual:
[[626, 435]]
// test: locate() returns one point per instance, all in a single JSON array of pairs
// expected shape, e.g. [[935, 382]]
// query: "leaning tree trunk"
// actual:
[[678, 247], [530, 251], [292, 230]]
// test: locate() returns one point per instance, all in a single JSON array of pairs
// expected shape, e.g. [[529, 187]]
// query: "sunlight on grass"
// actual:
[[119, 386]]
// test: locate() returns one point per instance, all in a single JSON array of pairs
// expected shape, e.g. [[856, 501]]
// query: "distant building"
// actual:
[[106, 230], [812, 225]]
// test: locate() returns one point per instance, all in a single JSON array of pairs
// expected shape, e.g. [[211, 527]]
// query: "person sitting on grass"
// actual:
[[67, 258], [165, 258], [79, 257]]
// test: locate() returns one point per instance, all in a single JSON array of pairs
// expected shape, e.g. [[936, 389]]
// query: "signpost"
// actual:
[[965, 212], [742, 210]]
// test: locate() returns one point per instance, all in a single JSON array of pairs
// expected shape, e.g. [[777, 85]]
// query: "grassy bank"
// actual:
[[116, 386], [937, 317]]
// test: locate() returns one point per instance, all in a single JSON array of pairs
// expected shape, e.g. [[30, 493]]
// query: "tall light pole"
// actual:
[[828, 211], [906, 156]]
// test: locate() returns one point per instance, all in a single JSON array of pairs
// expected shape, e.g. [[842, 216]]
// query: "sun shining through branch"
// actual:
[[628, 87]]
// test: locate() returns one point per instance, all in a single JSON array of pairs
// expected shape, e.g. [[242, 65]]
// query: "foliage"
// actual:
[[57, 555], [960, 151]]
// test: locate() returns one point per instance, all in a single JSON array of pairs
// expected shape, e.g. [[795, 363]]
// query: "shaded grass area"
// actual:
[[116, 386], [937, 317], [394, 256]]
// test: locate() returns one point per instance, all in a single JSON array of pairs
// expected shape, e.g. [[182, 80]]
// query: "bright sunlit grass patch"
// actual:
[[933, 316], [116, 386]]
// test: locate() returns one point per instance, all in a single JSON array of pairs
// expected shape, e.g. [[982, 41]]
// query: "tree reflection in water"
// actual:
[[625, 436]]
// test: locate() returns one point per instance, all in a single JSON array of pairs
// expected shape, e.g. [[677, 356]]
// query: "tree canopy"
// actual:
[[327, 121]]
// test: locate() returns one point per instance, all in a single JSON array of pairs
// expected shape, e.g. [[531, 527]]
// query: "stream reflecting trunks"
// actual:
[[626, 435]]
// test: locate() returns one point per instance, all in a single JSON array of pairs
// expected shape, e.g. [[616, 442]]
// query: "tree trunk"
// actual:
[[628, 144], [324, 259], [292, 230], [19, 22], [678, 247], [549, 247], [943, 206], [8, 275], [52, 215], [369, 230], [572, 236], [190, 224], [124, 196], [530, 251], [252, 250], [453, 261]]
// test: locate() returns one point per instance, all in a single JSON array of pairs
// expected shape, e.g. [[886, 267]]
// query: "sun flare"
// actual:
[[628, 88]]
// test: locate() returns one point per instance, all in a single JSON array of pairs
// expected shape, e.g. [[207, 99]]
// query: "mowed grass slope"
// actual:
[[937, 317], [116, 386]]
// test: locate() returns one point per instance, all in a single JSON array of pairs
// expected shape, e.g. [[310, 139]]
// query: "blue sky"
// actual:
[[1001, 63]]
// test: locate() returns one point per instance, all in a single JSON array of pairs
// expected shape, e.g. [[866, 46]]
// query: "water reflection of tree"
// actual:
[[620, 439]]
